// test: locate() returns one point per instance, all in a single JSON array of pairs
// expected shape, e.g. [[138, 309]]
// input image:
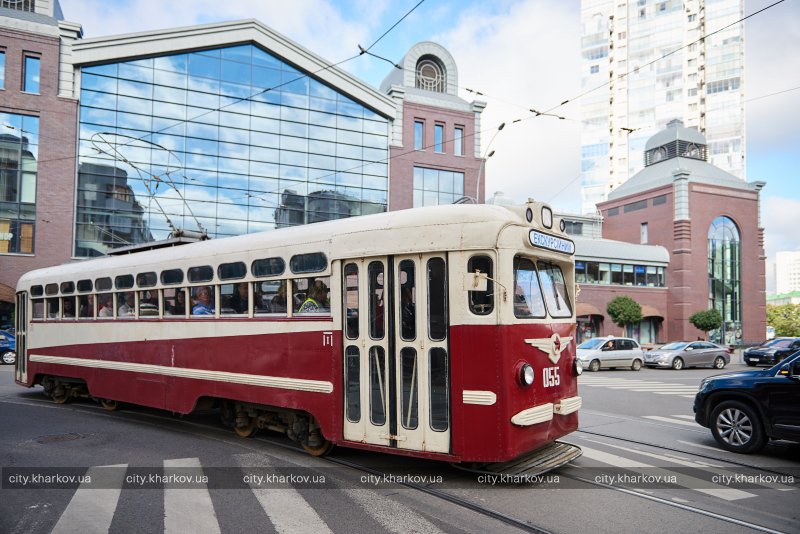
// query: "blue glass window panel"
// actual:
[[445, 182], [265, 78], [294, 114], [169, 94], [264, 110], [265, 186], [349, 108], [98, 100], [240, 106], [418, 178], [234, 150], [203, 85], [264, 59], [438, 137], [204, 66], [233, 165], [320, 118], [346, 136], [295, 129], [135, 89], [321, 147], [105, 70], [374, 127], [349, 151], [374, 182], [169, 111], [201, 146], [175, 63], [374, 154], [293, 173], [198, 161], [257, 213], [374, 195], [322, 104], [321, 132], [2, 69], [136, 72], [170, 79], [265, 125], [268, 170], [234, 181], [98, 83], [262, 139], [289, 157], [171, 126], [458, 183], [242, 53], [430, 179], [202, 115], [321, 162], [206, 131], [235, 92], [376, 169], [132, 121], [350, 123], [376, 141], [294, 143], [320, 175], [234, 120], [134, 105], [98, 116], [345, 164]]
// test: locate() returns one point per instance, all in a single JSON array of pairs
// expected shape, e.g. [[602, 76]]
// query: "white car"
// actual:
[[610, 352]]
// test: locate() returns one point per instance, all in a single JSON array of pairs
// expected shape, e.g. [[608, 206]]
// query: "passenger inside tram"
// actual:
[[203, 302]]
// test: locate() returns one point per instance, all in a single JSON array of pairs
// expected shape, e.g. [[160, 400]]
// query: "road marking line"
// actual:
[[668, 420], [91, 510], [187, 509]]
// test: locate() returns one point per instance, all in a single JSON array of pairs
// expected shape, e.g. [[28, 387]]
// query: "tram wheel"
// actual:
[[108, 404], [320, 450], [247, 430], [60, 396]]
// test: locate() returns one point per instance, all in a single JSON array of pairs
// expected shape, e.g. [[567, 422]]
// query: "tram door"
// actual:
[[396, 352], [21, 370]]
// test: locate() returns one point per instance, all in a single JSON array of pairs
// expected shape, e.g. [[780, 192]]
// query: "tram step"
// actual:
[[531, 464]]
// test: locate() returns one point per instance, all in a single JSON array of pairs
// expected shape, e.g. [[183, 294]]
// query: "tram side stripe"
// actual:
[[91, 510], [297, 384]]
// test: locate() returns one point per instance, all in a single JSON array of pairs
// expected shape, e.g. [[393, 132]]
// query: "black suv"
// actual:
[[745, 409], [772, 351]]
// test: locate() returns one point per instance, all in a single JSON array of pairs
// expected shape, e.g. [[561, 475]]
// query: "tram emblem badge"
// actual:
[[553, 346], [327, 339]]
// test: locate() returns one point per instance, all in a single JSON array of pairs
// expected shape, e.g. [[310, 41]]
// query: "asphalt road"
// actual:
[[188, 474]]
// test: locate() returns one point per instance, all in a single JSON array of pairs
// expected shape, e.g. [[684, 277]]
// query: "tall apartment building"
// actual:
[[787, 272], [636, 93]]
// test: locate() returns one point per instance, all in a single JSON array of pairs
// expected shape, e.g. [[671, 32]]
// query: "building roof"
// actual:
[[175, 40], [675, 131], [662, 174], [28, 16], [619, 251]]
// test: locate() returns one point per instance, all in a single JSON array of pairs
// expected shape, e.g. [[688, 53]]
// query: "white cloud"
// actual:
[[779, 217], [524, 57]]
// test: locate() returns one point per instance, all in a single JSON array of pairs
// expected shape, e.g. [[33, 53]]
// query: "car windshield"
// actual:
[[781, 343], [591, 343], [674, 346]]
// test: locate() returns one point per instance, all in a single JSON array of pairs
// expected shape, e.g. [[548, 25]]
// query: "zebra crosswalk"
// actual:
[[646, 386]]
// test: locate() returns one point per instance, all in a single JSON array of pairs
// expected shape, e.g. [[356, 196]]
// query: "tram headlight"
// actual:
[[577, 365], [526, 374]]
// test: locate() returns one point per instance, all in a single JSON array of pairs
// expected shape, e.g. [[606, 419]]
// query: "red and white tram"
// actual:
[[444, 332]]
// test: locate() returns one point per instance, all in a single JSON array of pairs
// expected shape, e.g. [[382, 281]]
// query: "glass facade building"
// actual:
[[228, 140], [725, 279]]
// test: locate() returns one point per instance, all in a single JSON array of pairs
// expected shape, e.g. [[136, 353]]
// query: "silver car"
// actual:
[[610, 352], [680, 354]]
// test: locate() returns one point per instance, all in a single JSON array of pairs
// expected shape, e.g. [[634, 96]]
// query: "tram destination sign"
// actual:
[[551, 242]]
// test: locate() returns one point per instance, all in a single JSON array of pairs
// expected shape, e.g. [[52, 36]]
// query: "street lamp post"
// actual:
[[486, 156]]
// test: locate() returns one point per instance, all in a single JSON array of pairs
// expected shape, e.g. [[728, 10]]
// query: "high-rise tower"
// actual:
[[700, 81]]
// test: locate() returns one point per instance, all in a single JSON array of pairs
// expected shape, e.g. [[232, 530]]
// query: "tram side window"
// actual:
[[353, 379], [105, 305], [67, 307], [234, 298], [175, 301], [52, 308], [528, 301], [409, 375], [351, 300], [202, 301], [376, 301], [482, 302], [555, 289], [127, 305], [38, 309], [270, 297], [148, 303], [437, 299], [440, 408], [311, 295], [86, 306]]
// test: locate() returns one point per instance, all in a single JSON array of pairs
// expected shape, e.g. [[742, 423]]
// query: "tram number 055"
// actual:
[[550, 377]]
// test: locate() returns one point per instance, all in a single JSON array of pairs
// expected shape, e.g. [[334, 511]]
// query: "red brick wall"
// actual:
[[403, 159], [600, 295], [55, 186]]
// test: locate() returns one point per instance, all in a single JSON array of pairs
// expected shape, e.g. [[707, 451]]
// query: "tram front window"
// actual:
[[528, 301], [555, 289]]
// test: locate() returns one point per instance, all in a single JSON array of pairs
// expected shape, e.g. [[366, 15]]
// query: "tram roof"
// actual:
[[429, 229]]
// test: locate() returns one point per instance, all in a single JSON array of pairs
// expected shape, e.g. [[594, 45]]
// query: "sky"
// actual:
[[519, 54]]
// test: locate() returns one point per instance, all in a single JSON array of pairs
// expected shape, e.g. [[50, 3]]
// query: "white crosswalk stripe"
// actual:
[[187, 509], [647, 386], [671, 420], [92, 510]]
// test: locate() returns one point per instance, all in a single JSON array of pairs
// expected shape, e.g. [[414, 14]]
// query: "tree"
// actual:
[[785, 319], [624, 311], [706, 320]]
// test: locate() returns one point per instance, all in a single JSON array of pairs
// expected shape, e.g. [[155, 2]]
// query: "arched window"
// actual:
[[431, 75], [725, 279]]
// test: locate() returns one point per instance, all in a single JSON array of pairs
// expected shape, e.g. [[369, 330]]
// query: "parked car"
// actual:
[[8, 346], [610, 352], [680, 354], [744, 410], [772, 351]]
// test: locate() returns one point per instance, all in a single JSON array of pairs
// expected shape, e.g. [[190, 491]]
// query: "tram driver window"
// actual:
[[482, 302], [528, 301], [555, 289], [311, 295]]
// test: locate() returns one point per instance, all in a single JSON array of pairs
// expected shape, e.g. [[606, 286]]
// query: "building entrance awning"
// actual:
[[587, 309], [650, 311]]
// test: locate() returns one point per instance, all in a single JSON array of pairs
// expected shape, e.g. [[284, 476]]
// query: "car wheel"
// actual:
[[594, 366], [719, 362], [677, 364], [9, 357], [737, 427], [636, 365]]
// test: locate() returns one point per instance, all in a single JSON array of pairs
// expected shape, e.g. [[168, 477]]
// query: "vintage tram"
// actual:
[[445, 333]]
